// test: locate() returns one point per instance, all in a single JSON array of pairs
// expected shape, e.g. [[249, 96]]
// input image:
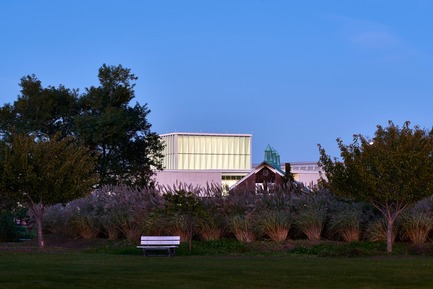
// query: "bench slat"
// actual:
[[160, 243], [157, 238], [156, 247]]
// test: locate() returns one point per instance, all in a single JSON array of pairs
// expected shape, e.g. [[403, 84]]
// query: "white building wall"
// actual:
[[305, 172], [194, 178]]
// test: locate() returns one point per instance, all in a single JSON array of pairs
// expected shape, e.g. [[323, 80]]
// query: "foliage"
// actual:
[[212, 223], [333, 249], [417, 223], [128, 209], [241, 210], [206, 204], [245, 227], [289, 178], [183, 210], [345, 221], [206, 214], [275, 213], [391, 171], [276, 224], [10, 212], [241, 203], [277, 200], [310, 214], [7, 203], [218, 247], [42, 172], [84, 217], [113, 211], [8, 228], [377, 231], [39, 111], [119, 134], [128, 151], [56, 220]]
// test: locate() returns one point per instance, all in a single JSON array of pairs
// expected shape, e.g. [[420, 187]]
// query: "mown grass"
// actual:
[[97, 270], [217, 264]]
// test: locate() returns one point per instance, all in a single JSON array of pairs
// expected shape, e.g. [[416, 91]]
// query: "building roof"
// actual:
[[272, 161], [272, 157], [273, 168], [206, 134]]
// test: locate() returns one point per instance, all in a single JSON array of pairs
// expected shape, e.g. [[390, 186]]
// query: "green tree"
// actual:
[[128, 150], [391, 171], [39, 172], [40, 111]]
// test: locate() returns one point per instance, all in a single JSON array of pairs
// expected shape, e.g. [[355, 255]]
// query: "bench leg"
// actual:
[[170, 252]]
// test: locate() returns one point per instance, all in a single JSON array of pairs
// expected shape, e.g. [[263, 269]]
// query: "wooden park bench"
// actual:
[[159, 243]]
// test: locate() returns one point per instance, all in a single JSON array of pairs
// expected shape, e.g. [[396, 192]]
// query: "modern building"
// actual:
[[202, 159]]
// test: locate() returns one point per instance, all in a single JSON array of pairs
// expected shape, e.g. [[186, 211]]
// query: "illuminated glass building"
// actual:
[[205, 158]]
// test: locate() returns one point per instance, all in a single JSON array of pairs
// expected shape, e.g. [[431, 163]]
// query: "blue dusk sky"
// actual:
[[291, 73]]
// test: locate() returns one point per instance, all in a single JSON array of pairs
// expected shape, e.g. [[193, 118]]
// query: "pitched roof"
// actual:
[[272, 167]]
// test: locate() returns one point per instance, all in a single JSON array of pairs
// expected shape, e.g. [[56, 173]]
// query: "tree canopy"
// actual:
[[391, 171], [56, 145], [40, 111], [38, 172], [101, 118], [128, 150]]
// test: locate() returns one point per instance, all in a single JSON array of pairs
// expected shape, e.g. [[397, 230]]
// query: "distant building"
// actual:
[[307, 173], [263, 177], [202, 159], [271, 173]]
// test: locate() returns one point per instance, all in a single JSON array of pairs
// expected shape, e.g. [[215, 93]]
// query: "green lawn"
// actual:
[[85, 270]]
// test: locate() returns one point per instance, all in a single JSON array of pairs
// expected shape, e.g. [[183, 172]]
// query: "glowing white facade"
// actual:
[[205, 154], [306, 172]]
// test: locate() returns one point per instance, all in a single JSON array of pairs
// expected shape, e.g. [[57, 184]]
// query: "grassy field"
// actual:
[[100, 263], [98, 270]]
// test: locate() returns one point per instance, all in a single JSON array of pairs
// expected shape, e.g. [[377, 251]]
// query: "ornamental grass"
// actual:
[[376, 230], [83, 218], [56, 220], [311, 215], [211, 227], [86, 226], [127, 210], [416, 225], [245, 228], [345, 222], [276, 224]]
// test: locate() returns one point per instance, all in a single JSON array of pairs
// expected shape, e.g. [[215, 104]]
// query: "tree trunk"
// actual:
[[190, 233], [389, 238], [391, 212], [38, 213]]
